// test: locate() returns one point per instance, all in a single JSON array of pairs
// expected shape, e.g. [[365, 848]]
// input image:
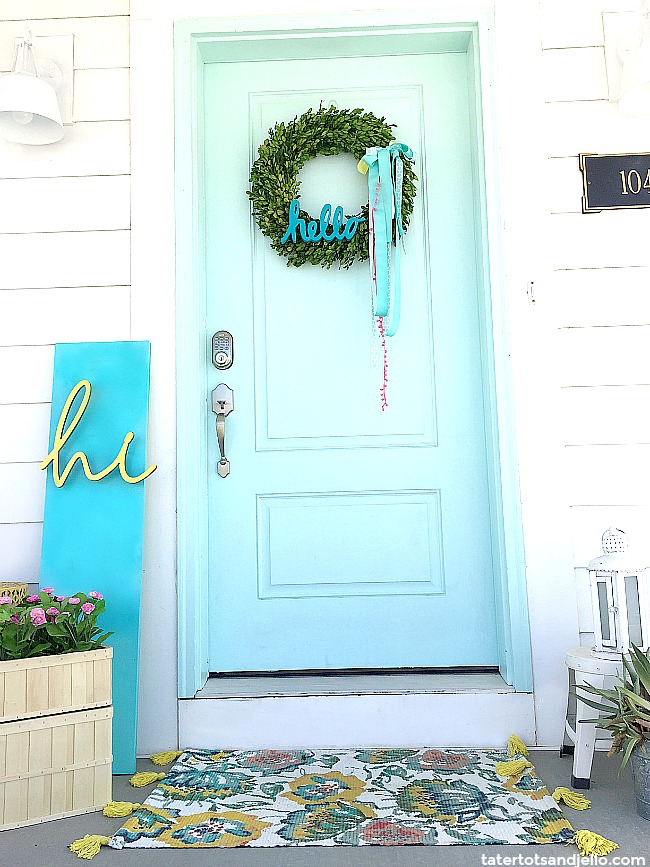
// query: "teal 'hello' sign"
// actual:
[[314, 230]]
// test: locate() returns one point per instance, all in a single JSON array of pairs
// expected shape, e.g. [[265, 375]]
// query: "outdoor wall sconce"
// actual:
[[620, 597], [36, 96], [627, 58]]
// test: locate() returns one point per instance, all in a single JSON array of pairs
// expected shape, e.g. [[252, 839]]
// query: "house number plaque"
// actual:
[[612, 181]]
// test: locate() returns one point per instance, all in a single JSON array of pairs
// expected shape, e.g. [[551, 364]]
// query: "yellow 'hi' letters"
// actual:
[[63, 434]]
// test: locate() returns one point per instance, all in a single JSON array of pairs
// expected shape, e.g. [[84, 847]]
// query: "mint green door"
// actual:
[[346, 536]]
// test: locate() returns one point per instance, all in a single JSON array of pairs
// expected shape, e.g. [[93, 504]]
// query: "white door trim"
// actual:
[[513, 101], [194, 42]]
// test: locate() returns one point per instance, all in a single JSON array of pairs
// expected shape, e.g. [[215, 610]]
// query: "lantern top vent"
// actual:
[[615, 541], [615, 556]]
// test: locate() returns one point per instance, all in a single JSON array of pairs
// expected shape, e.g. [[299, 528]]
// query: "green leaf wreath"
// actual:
[[274, 179]]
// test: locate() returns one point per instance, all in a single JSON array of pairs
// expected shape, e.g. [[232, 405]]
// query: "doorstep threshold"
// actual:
[[352, 684]]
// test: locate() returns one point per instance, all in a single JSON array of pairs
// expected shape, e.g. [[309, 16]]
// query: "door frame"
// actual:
[[194, 43]]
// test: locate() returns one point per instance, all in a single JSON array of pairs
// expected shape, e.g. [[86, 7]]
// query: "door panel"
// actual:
[[345, 536], [356, 564], [343, 319]]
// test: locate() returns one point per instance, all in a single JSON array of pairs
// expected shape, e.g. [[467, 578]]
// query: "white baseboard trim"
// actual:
[[480, 720]]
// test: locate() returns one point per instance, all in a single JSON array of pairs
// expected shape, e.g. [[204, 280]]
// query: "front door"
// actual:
[[347, 536]]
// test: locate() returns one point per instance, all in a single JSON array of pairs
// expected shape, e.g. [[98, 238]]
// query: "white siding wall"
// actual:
[[597, 294], [64, 248], [65, 275]]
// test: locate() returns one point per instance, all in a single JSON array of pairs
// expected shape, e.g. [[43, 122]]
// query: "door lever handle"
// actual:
[[222, 405]]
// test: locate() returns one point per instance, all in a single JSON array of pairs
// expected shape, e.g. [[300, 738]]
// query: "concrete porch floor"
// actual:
[[612, 814]]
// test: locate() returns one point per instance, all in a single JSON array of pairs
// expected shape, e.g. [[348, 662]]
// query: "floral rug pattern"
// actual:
[[383, 797]]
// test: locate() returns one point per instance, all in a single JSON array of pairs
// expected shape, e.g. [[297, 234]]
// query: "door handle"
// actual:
[[222, 404]]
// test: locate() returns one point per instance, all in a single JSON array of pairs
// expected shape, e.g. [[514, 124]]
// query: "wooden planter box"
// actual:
[[55, 736]]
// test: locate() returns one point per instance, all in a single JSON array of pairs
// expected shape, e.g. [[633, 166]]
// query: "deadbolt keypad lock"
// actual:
[[222, 405], [222, 350]]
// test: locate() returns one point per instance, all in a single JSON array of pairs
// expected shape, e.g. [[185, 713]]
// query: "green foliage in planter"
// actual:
[[45, 624], [274, 179], [627, 712]]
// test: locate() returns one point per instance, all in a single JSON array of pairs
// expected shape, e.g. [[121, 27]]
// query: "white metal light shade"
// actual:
[[29, 110]]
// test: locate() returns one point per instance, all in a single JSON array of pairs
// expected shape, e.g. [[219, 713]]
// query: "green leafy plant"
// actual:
[[627, 711], [274, 179], [45, 624]]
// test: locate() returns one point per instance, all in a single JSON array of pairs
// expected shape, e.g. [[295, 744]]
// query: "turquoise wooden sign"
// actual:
[[317, 231], [94, 502]]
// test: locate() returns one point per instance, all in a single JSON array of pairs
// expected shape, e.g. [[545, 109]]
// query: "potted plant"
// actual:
[[626, 714], [45, 624], [55, 707]]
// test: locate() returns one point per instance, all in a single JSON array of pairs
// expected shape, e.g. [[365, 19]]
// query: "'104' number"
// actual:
[[631, 182]]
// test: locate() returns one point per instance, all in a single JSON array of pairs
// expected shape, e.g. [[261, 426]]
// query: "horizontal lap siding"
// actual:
[[598, 292], [80, 204], [99, 42], [36, 10], [583, 298], [64, 248], [64, 259], [88, 148], [20, 544], [22, 497], [65, 239]]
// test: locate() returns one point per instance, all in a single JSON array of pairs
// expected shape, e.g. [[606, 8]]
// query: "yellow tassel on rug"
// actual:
[[513, 768], [119, 809], [572, 799], [87, 847], [516, 745], [166, 758], [593, 844], [143, 778]]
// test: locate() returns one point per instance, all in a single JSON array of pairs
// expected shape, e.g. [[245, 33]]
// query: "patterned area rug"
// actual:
[[385, 797]]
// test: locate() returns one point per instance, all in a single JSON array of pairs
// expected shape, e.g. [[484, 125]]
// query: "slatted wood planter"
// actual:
[[55, 737]]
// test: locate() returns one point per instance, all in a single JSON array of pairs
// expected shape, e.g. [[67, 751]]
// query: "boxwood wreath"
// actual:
[[274, 179]]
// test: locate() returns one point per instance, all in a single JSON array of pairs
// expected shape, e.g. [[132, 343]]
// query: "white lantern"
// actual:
[[620, 597]]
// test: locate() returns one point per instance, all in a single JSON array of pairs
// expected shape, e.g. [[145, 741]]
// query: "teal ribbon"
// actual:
[[386, 169]]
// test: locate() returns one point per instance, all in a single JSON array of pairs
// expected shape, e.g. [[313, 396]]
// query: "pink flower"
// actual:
[[74, 600], [52, 610], [61, 598], [15, 618], [33, 599], [48, 590], [5, 600], [88, 608], [38, 616], [95, 595]]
